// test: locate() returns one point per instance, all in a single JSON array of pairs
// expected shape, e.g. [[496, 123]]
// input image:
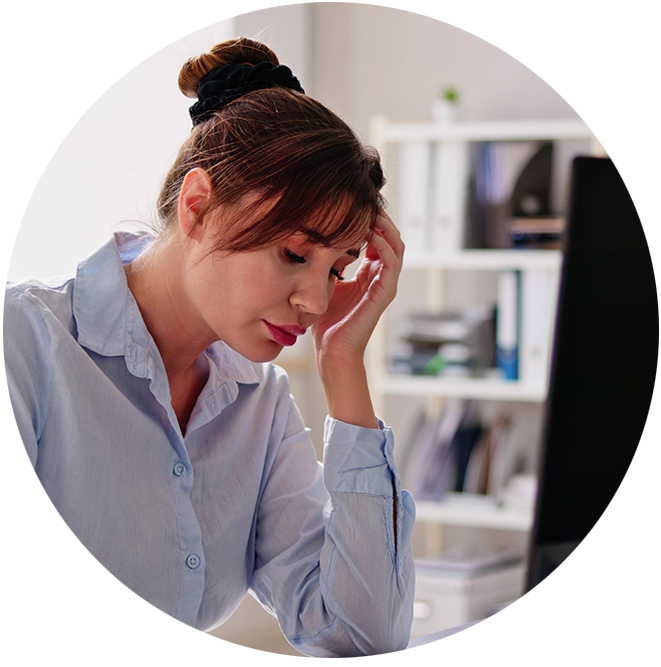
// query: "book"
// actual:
[[422, 450], [499, 462], [431, 471], [477, 469], [537, 232], [439, 476], [412, 429], [485, 467], [465, 440], [456, 454]]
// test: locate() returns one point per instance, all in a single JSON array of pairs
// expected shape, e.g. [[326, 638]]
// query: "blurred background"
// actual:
[[364, 62]]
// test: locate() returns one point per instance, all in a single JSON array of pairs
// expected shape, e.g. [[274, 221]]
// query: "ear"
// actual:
[[194, 196]]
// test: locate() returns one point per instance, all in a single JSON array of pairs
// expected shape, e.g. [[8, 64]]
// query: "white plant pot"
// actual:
[[443, 111]]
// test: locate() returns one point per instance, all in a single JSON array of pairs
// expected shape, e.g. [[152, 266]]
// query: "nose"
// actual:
[[312, 294]]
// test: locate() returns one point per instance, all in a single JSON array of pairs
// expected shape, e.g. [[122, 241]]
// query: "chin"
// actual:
[[264, 355]]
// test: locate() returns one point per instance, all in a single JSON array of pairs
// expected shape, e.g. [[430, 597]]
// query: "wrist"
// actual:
[[342, 364], [347, 393]]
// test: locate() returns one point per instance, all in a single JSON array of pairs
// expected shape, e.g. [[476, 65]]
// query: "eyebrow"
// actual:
[[316, 238]]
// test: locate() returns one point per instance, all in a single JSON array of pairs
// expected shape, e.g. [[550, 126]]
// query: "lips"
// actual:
[[285, 334]]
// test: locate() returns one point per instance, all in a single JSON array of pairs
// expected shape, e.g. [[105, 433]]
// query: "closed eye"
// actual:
[[297, 259], [292, 257]]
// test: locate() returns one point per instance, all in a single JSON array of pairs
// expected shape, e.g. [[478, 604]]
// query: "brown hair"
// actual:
[[304, 167]]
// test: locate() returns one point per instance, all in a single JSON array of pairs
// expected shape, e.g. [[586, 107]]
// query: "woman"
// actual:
[[144, 394]]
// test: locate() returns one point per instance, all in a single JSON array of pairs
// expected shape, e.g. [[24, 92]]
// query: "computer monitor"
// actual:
[[603, 364]]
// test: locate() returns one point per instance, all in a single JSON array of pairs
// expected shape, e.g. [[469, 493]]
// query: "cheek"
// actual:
[[259, 285]]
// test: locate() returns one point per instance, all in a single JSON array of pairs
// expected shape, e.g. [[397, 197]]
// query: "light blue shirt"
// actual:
[[239, 502]]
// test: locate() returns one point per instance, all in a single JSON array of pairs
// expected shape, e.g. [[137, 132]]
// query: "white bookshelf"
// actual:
[[480, 512]]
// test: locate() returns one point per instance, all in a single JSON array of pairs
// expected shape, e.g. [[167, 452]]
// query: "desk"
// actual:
[[505, 633]]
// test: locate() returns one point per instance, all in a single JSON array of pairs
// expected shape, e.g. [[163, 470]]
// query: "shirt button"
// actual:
[[193, 561], [179, 469]]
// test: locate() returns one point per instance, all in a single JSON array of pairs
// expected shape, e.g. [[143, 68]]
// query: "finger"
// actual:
[[387, 220], [387, 229], [370, 251], [384, 240], [387, 254]]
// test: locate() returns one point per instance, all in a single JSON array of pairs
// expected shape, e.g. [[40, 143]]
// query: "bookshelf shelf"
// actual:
[[455, 387], [503, 130], [490, 260]]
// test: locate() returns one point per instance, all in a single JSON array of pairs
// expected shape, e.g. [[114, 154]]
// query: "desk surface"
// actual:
[[509, 632], [502, 634]]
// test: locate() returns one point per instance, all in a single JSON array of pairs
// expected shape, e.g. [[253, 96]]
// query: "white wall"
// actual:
[[371, 59], [110, 166]]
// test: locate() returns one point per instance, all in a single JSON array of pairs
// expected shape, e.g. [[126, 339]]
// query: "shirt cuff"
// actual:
[[357, 459]]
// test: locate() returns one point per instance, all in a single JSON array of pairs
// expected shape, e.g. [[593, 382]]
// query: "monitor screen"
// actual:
[[603, 364]]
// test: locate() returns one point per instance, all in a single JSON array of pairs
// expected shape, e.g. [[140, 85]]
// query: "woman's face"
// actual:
[[259, 301]]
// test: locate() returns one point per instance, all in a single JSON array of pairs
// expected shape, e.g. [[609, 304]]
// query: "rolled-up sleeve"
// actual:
[[341, 580]]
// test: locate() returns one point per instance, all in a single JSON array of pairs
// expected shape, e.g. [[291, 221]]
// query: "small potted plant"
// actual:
[[446, 105]]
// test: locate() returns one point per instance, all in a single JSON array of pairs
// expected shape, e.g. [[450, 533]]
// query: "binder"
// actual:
[[450, 178], [414, 185], [538, 296], [507, 324]]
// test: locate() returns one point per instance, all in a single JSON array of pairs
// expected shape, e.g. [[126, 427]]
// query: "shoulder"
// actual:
[[35, 316], [50, 295], [37, 306]]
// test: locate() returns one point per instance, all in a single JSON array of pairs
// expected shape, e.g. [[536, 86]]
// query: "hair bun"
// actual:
[[231, 52], [229, 82]]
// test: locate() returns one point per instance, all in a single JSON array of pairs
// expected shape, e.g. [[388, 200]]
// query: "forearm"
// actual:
[[347, 392], [360, 474], [329, 559]]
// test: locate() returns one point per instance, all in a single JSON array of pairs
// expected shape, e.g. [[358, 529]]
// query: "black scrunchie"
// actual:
[[227, 83]]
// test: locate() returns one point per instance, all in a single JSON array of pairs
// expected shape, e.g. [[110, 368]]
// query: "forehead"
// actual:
[[339, 225], [306, 238], [260, 220]]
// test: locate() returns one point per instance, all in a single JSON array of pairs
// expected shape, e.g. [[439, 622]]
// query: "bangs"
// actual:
[[339, 225], [340, 220]]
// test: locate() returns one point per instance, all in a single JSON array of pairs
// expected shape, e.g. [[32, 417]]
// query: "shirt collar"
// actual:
[[109, 320]]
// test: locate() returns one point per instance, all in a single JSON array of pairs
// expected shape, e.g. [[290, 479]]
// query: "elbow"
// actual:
[[387, 634]]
